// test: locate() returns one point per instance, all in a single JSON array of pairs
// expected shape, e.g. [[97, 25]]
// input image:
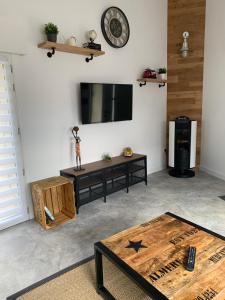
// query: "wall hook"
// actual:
[[141, 84], [49, 54], [88, 59], [162, 84]]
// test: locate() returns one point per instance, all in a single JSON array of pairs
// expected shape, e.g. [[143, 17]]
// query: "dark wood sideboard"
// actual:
[[102, 178]]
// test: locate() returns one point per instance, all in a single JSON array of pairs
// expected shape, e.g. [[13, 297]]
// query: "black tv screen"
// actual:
[[103, 102]]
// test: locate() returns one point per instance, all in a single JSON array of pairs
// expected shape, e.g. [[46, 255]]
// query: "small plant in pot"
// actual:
[[107, 157], [162, 73], [51, 31]]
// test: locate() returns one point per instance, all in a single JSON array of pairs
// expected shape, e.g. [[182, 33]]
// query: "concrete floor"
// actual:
[[28, 253]]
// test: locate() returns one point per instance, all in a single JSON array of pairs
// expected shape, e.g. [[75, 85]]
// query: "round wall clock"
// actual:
[[115, 27]]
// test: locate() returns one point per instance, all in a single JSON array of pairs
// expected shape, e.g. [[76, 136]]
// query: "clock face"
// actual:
[[115, 27]]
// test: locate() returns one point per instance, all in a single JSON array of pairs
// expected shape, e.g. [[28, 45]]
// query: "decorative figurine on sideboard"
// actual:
[[77, 149], [128, 152]]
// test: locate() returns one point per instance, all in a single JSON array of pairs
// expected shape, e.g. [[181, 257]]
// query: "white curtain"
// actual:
[[12, 196]]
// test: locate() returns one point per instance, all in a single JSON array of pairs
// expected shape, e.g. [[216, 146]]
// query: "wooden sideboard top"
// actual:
[[102, 164]]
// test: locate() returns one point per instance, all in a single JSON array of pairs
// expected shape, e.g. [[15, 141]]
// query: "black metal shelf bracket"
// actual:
[[89, 58], [142, 84], [162, 84], [49, 54]]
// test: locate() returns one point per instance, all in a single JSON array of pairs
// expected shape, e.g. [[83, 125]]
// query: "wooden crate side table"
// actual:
[[57, 193]]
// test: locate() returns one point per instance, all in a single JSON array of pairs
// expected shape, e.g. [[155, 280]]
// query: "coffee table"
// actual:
[[154, 255]]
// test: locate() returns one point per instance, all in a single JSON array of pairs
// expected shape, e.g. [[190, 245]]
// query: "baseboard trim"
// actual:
[[156, 170], [213, 173]]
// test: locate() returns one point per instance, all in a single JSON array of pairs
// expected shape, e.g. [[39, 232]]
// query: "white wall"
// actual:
[[213, 139], [48, 89]]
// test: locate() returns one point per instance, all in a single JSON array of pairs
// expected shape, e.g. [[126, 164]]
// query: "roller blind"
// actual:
[[12, 201]]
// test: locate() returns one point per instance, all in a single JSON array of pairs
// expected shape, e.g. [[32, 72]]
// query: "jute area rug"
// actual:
[[78, 283]]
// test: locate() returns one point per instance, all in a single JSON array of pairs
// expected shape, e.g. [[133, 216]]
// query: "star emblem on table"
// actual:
[[136, 245]]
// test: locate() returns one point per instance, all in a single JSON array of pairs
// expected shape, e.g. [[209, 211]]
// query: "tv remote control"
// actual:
[[191, 259]]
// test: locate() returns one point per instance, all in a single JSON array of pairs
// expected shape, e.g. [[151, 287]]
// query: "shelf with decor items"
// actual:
[[70, 49], [144, 81]]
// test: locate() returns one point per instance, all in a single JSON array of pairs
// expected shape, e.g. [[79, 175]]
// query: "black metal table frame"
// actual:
[[150, 290]]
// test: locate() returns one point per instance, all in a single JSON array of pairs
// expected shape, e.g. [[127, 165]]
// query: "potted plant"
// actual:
[[51, 31], [107, 157], [162, 73]]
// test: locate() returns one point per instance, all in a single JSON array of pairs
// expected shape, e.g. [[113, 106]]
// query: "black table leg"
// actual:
[[104, 188], [99, 277], [98, 269], [77, 196], [146, 175]]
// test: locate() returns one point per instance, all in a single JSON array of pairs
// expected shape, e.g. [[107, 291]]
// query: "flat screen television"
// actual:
[[104, 102]]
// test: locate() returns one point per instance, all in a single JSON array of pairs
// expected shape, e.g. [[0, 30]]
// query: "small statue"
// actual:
[[77, 148]]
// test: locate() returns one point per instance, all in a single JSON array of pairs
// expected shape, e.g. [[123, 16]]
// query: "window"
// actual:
[[12, 196]]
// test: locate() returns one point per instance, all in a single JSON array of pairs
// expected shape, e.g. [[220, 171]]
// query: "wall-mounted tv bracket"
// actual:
[[88, 59], [49, 54]]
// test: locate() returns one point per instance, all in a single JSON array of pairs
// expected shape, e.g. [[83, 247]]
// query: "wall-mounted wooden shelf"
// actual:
[[152, 80], [70, 49]]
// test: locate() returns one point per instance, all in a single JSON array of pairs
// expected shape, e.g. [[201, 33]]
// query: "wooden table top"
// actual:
[[102, 164], [162, 255]]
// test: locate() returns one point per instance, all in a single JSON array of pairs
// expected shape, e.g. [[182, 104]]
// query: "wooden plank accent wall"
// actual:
[[185, 75]]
